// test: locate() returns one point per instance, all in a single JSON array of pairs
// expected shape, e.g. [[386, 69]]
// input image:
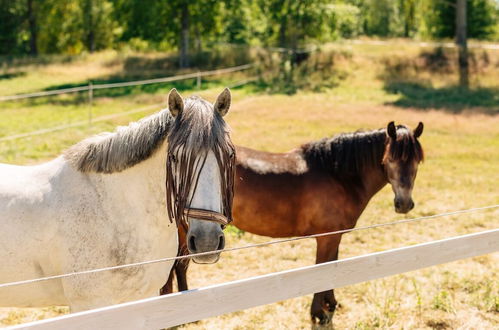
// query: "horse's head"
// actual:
[[403, 153], [200, 171]]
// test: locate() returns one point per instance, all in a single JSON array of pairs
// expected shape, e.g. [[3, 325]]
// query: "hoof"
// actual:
[[322, 320]]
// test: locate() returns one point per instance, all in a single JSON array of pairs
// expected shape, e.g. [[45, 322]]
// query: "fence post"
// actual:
[[198, 81], [90, 101]]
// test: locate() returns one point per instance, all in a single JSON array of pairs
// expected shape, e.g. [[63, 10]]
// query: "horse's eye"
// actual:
[[173, 159]]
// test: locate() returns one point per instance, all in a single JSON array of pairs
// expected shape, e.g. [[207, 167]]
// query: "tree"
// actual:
[[461, 42], [184, 34], [33, 48], [408, 10], [481, 18], [291, 23], [88, 24], [98, 24], [62, 32], [11, 16]]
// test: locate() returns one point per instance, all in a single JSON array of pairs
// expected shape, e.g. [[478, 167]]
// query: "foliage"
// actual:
[[345, 20], [11, 27], [482, 19], [77, 26]]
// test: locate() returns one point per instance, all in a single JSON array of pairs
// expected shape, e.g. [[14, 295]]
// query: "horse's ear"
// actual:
[[391, 130], [419, 130], [222, 104], [175, 103]]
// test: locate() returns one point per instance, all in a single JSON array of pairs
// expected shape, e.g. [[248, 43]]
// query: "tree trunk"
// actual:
[[198, 42], [462, 43], [283, 25], [33, 49], [90, 26], [282, 32], [184, 35]]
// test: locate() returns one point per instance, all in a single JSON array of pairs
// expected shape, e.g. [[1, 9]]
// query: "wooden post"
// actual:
[[90, 101], [198, 81], [462, 43]]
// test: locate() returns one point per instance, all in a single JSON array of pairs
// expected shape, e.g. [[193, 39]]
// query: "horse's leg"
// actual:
[[182, 264], [181, 273], [168, 287], [178, 270], [324, 303]]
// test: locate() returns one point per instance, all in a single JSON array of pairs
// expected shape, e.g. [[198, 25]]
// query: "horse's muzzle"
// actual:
[[402, 206], [201, 238]]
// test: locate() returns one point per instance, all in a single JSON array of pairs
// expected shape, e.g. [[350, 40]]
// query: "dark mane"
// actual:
[[346, 153], [349, 153]]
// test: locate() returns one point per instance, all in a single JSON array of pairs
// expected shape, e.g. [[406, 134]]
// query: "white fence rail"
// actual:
[[92, 87], [193, 305]]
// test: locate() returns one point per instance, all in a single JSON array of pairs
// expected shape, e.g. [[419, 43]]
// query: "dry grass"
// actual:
[[461, 171]]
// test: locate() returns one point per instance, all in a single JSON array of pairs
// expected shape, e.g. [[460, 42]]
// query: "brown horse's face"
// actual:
[[401, 176], [403, 154]]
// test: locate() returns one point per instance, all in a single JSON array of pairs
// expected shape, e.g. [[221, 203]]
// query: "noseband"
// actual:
[[207, 215]]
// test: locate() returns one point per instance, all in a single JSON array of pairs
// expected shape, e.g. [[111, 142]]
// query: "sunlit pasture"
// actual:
[[461, 171]]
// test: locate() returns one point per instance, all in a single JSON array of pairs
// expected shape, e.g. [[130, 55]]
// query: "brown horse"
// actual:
[[321, 187]]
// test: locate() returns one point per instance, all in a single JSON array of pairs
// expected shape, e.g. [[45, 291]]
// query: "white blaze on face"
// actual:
[[206, 235], [208, 191]]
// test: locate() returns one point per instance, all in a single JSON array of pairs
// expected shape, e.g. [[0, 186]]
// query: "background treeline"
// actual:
[[76, 26]]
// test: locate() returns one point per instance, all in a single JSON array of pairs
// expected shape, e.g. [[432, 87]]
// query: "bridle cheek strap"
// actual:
[[207, 215]]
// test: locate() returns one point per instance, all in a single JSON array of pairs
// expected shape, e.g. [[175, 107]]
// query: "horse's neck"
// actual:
[[141, 186], [373, 179]]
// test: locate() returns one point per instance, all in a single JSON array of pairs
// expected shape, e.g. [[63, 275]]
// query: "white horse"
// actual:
[[104, 203]]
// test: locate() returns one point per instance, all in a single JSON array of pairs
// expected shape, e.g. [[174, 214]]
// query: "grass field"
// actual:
[[379, 84]]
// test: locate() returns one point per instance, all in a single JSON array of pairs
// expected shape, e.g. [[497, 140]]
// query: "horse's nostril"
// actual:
[[221, 242], [397, 203], [192, 243], [412, 205]]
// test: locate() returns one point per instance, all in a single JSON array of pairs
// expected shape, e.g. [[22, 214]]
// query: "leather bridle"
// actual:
[[207, 215], [178, 185]]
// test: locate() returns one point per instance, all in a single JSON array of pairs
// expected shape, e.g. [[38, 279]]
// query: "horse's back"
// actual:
[[26, 191], [278, 195]]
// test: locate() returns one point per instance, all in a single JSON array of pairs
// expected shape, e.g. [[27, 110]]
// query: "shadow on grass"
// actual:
[[12, 75], [289, 73], [18, 61], [410, 78], [452, 99]]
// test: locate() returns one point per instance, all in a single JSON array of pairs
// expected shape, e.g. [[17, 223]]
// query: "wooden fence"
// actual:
[[197, 304]]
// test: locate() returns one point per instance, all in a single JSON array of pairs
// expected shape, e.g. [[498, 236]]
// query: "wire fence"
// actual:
[[78, 123], [102, 118], [90, 87], [281, 241]]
